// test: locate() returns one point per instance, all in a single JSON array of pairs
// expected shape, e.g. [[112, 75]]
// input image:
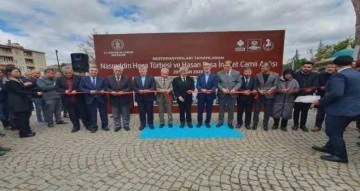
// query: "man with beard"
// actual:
[[308, 82], [323, 79], [342, 105]]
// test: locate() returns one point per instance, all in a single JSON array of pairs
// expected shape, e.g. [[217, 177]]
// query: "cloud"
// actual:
[[62, 24]]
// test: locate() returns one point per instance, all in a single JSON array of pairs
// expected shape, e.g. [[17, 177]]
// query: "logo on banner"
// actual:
[[254, 45], [268, 45], [117, 44], [240, 46]]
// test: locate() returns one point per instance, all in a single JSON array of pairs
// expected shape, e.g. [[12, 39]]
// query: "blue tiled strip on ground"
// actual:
[[190, 133]]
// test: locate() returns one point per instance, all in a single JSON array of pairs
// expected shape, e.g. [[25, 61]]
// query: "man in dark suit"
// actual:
[[245, 101], [266, 83], [68, 85], [183, 86], [323, 79], [143, 85], [118, 84], [94, 87], [206, 85], [229, 82], [342, 105]]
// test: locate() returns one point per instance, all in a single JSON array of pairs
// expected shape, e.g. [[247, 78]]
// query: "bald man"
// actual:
[[68, 85]]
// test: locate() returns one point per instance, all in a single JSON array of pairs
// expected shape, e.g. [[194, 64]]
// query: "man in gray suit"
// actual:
[[229, 82], [118, 84], [164, 84], [266, 82], [52, 99]]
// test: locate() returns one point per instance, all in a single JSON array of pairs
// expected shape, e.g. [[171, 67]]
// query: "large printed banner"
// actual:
[[174, 50]]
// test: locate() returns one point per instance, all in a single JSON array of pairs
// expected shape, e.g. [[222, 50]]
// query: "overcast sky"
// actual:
[[46, 25]]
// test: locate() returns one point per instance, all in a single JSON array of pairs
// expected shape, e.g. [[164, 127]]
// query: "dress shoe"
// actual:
[[92, 130], [207, 125], [2, 153], [274, 127], [182, 125], [170, 125], [75, 130], [316, 129], [2, 135], [5, 149], [254, 127], [266, 128], [247, 127], [127, 128], [295, 127], [238, 126], [304, 128], [219, 124], [106, 129], [198, 125], [358, 143], [141, 127], [151, 126], [50, 124], [283, 128], [27, 135], [190, 125], [117, 129], [61, 122], [231, 126], [321, 149], [333, 158], [162, 125]]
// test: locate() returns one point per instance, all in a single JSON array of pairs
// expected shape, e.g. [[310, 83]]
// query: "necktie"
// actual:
[[206, 78], [183, 79], [117, 79], [164, 83], [94, 81], [247, 81]]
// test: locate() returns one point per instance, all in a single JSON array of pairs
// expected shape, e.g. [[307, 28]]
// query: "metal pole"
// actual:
[[57, 58]]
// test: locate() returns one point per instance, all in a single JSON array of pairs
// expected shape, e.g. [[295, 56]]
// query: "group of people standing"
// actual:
[[84, 96]]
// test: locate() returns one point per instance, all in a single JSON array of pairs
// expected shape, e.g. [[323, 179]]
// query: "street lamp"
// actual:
[[57, 58]]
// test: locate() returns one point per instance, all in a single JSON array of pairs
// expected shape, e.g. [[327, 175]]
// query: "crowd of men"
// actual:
[[85, 96]]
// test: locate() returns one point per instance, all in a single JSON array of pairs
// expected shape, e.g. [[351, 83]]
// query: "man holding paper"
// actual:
[[308, 82], [342, 105]]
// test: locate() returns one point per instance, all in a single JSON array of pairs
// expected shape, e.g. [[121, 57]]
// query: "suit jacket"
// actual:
[[124, 85], [232, 82], [342, 96], [211, 84], [19, 96], [62, 86], [271, 83], [160, 85], [180, 88], [86, 86], [150, 84], [250, 86]]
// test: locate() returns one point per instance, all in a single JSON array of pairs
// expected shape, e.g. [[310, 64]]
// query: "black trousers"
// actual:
[[76, 113], [302, 108], [185, 112], [146, 112], [244, 105], [320, 116], [284, 122], [22, 121]]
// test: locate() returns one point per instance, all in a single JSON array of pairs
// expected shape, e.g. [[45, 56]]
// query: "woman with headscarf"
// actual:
[[19, 101], [284, 99]]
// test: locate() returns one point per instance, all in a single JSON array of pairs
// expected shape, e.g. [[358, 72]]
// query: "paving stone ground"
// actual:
[[59, 160]]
